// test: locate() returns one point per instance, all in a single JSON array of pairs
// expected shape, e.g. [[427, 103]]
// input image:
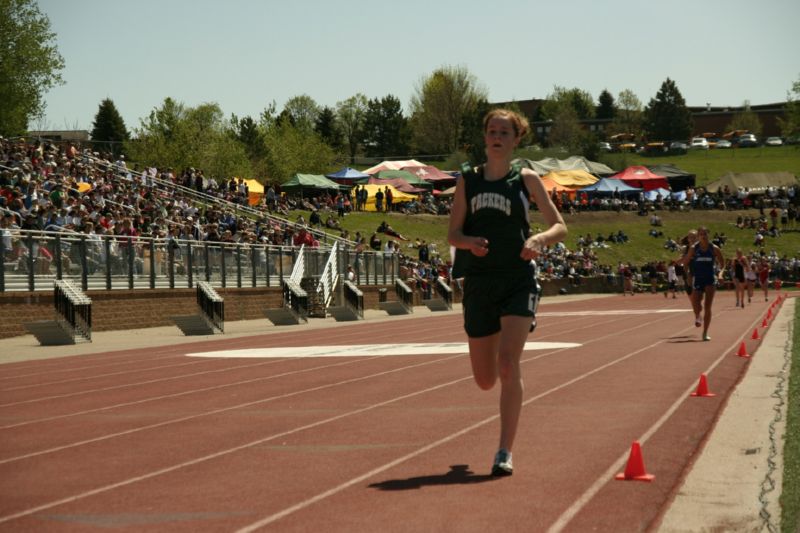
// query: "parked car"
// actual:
[[677, 147], [604, 146], [724, 143], [773, 141], [698, 143], [747, 140]]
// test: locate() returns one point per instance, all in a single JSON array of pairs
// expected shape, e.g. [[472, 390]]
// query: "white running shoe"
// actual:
[[502, 463]]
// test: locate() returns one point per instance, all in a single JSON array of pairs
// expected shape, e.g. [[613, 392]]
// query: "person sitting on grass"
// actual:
[[387, 229]]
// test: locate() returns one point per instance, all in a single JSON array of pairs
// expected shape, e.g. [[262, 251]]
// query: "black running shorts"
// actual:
[[487, 298]]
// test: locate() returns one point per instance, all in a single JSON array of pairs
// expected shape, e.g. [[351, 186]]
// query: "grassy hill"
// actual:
[[706, 165], [641, 247]]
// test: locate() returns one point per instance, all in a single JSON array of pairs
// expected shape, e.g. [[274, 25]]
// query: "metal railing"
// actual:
[[444, 292], [73, 309], [353, 298], [212, 305], [32, 260], [404, 294], [329, 277]]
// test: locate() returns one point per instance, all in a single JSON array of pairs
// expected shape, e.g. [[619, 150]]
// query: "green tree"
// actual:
[[350, 115], [290, 150], [108, 130], [180, 137], [248, 132], [578, 100], [605, 105], [472, 138], [327, 128], [385, 127], [29, 64], [746, 119], [628, 116], [666, 116], [439, 105], [565, 108], [790, 125], [302, 111]]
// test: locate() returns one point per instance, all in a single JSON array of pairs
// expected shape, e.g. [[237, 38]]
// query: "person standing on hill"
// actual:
[[490, 229], [705, 256]]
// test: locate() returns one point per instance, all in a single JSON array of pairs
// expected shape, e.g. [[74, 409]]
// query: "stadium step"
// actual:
[[343, 313], [50, 333], [436, 304], [194, 325], [282, 316], [395, 308]]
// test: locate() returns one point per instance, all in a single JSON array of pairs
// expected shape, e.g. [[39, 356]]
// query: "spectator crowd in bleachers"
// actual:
[[50, 187]]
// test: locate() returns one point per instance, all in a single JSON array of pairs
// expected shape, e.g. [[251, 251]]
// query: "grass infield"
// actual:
[[790, 495]]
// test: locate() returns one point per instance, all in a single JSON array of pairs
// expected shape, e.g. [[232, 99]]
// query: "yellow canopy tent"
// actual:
[[551, 185], [397, 196], [254, 191], [573, 179]]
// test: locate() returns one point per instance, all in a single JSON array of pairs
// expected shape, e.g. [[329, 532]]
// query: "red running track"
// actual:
[[156, 440]]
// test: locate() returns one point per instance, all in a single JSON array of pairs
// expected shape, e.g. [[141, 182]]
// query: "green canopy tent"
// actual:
[[300, 182]]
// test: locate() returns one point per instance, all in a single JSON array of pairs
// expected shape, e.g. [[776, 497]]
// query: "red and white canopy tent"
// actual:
[[642, 177]]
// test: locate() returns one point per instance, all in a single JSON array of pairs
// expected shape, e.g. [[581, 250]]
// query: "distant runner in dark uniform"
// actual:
[[740, 266], [490, 230], [705, 256]]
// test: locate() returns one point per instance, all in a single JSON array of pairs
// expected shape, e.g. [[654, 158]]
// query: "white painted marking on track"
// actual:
[[611, 312], [369, 350]]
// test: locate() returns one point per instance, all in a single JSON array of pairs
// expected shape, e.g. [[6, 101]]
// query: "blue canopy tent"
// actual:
[[347, 176], [609, 185], [653, 195]]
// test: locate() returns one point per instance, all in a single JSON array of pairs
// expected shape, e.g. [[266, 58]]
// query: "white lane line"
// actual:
[[330, 492], [221, 453], [369, 350], [612, 312], [564, 519]]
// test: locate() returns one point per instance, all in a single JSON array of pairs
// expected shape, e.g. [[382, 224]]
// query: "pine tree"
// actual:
[[108, 130], [605, 105], [666, 116]]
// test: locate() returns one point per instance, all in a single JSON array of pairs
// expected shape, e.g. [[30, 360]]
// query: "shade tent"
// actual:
[[611, 185], [639, 176], [431, 174], [299, 182], [679, 179], [756, 182], [552, 185], [393, 165], [548, 164], [451, 191], [398, 183], [406, 176], [346, 176], [255, 191], [574, 179], [397, 196]]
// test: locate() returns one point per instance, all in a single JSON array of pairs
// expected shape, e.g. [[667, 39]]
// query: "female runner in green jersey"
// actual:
[[489, 220]]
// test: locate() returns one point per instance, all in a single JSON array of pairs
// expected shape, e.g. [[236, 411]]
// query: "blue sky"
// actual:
[[244, 54]]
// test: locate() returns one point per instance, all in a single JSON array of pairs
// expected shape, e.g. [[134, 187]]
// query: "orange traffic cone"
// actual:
[[702, 388], [755, 336], [769, 314], [742, 351], [764, 323], [634, 470]]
